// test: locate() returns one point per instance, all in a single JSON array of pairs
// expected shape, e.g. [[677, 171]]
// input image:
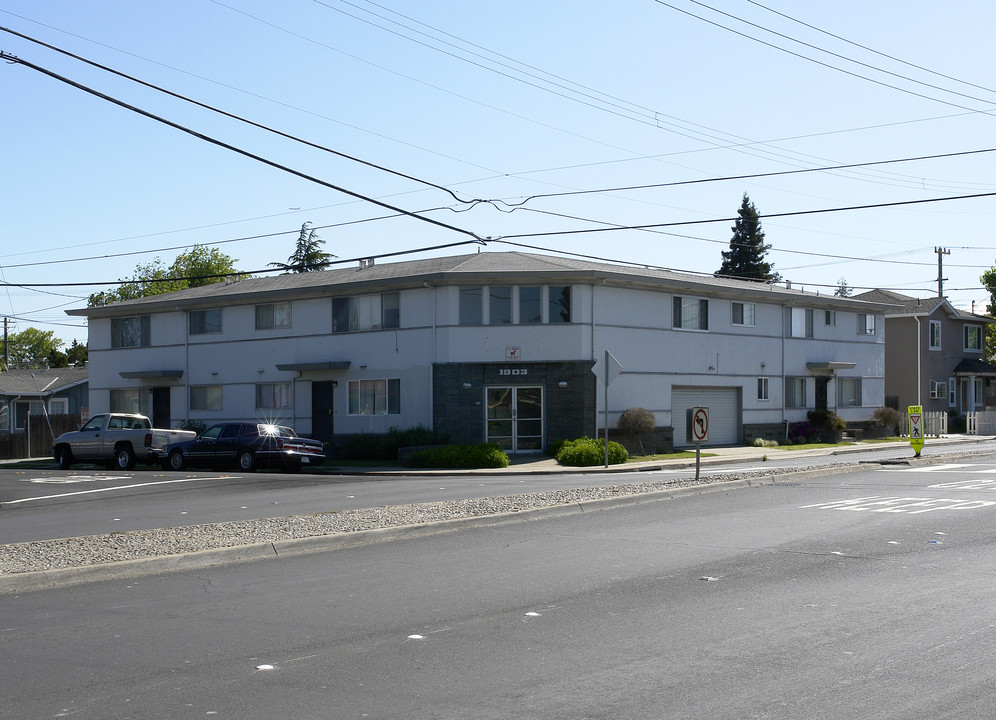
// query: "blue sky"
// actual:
[[515, 104]]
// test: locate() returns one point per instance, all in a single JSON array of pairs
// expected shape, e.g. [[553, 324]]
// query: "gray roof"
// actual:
[[473, 268], [41, 382], [906, 305]]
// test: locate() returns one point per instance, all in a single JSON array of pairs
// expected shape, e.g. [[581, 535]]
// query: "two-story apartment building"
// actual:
[[934, 354], [493, 346]]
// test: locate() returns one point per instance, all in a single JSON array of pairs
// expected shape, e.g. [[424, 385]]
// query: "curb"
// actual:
[[125, 569]]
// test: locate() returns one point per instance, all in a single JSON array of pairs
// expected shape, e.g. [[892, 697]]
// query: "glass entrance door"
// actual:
[[515, 418]]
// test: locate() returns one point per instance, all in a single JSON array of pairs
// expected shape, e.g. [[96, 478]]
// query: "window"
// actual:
[[795, 392], [830, 317], [271, 396], [866, 324], [690, 313], [952, 396], [530, 305], [273, 316], [4, 417], [762, 388], [205, 397], [799, 322], [559, 303], [977, 389], [938, 389], [204, 322], [500, 305], [848, 392], [934, 342], [129, 400], [130, 332], [743, 314], [58, 406], [21, 410], [375, 397], [471, 312], [973, 337], [365, 312]]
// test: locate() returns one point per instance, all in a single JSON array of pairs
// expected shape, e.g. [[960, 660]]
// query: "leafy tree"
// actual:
[[842, 288], [745, 258], [198, 266], [34, 348], [988, 280], [77, 354], [308, 254]]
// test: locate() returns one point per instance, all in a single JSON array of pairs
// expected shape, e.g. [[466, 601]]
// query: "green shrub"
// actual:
[[636, 422], [585, 452], [888, 418], [553, 447], [485, 455], [369, 446], [764, 442]]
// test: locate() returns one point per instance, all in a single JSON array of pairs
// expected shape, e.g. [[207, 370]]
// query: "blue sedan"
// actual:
[[246, 446]]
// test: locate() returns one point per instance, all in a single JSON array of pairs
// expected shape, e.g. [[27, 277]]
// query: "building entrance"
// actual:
[[515, 418]]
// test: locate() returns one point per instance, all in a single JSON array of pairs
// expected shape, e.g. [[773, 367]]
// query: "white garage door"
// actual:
[[724, 413]]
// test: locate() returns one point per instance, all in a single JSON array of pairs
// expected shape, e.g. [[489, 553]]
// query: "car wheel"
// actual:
[[176, 461], [124, 458], [64, 456], [246, 460]]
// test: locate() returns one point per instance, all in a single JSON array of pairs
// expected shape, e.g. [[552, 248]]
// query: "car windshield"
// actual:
[[278, 430]]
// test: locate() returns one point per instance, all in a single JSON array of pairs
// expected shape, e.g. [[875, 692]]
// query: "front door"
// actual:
[[515, 418], [321, 410], [160, 407], [821, 392]]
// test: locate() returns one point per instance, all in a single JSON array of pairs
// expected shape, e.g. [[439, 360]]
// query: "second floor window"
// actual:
[[131, 332], [799, 322], [690, 313], [866, 324], [366, 312], [743, 314], [935, 335], [273, 316], [973, 337], [204, 322]]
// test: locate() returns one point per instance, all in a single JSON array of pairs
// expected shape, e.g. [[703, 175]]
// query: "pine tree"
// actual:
[[745, 258], [308, 254]]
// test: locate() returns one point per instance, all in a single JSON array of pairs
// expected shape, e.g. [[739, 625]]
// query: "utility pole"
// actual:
[[941, 252], [5, 365]]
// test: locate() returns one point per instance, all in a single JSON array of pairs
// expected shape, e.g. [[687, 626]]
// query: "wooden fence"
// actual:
[[16, 445], [935, 424], [982, 422]]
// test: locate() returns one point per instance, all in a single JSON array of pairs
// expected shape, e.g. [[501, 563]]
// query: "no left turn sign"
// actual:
[[700, 425]]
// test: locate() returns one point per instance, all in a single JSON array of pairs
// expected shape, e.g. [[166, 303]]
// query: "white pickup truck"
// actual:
[[118, 440]]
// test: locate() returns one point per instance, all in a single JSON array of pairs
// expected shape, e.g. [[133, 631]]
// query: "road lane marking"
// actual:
[[116, 487], [909, 505], [983, 484]]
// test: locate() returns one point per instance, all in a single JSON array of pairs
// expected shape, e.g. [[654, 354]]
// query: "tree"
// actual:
[[842, 288], [77, 354], [745, 258], [34, 348], [988, 279], [308, 254], [198, 266]]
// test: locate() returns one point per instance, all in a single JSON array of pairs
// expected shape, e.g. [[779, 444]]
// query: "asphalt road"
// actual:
[[43, 504], [865, 595]]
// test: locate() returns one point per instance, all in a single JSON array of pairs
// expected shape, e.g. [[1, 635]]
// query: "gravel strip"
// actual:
[[116, 547]]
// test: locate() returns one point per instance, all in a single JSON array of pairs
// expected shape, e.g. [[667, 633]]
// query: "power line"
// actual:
[[227, 146]]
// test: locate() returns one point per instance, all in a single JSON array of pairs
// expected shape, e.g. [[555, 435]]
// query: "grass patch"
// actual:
[[872, 441], [813, 446]]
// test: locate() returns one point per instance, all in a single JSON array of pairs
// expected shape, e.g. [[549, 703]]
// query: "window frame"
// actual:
[[799, 316], [280, 396], [743, 313], [678, 314], [830, 318], [268, 313], [979, 332], [204, 324], [856, 391], [559, 300], [388, 305], [763, 388], [386, 398], [867, 324], [937, 389], [793, 384], [934, 335], [210, 398], [530, 307], [118, 334]]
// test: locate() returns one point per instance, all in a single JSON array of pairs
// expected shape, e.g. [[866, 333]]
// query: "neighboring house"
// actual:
[[492, 347], [934, 354], [58, 391]]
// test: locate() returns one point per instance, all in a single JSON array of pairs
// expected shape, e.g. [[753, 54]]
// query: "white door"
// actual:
[[724, 413]]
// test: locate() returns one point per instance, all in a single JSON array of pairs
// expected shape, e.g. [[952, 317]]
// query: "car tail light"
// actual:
[[280, 443], [148, 439]]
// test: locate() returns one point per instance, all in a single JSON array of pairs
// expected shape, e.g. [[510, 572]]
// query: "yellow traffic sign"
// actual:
[[915, 415]]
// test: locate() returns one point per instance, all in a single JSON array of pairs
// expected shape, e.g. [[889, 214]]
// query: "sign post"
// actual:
[[698, 432], [610, 371], [915, 415]]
